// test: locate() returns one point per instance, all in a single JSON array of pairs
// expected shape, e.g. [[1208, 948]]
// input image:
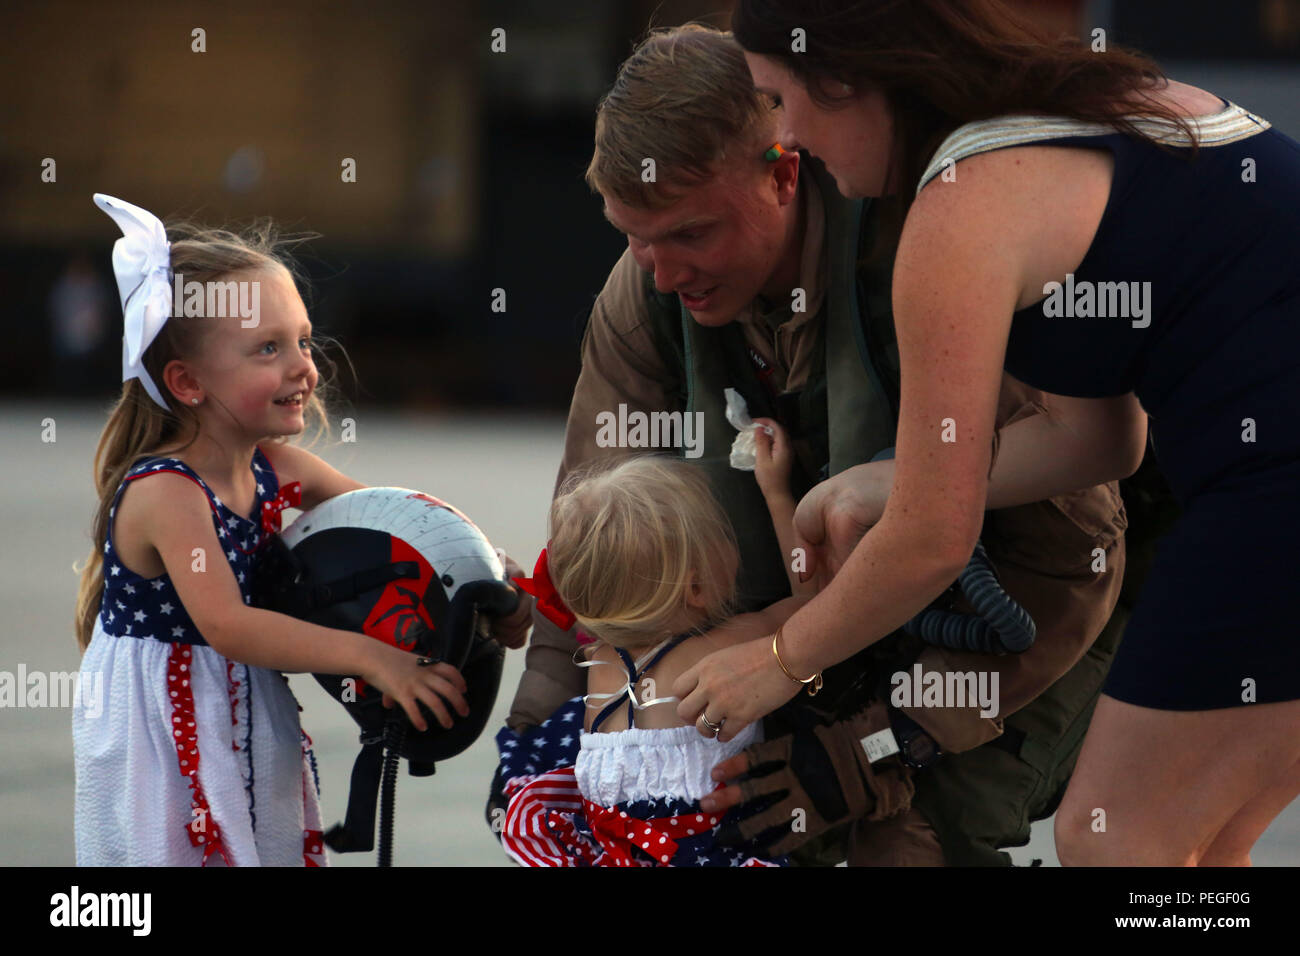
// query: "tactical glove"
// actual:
[[805, 783]]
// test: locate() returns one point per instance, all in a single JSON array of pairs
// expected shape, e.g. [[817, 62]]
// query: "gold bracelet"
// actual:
[[815, 680]]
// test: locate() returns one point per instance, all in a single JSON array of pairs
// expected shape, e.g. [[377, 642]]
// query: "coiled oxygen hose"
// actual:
[[999, 626], [394, 734]]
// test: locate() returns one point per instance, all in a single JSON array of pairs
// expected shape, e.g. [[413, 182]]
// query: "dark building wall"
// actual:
[[469, 162]]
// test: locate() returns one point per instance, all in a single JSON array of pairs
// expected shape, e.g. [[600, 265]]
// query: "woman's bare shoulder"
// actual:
[[1031, 211], [1187, 100]]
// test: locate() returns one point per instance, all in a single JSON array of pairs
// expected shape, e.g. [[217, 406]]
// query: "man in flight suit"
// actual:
[[746, 269]]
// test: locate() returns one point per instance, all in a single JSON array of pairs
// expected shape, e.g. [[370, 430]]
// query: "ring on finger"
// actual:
[[716, 728]]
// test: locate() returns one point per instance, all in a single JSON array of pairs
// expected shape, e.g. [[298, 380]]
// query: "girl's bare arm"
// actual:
[[179, 526]]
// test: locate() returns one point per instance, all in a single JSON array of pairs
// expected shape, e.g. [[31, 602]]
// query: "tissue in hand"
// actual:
[[742, 449]]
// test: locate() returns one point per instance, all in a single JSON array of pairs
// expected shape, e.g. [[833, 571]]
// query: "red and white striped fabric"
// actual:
[[528, 837], [540, 829]]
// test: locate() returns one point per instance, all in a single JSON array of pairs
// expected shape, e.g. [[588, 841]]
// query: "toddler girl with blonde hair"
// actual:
[[644, 559]]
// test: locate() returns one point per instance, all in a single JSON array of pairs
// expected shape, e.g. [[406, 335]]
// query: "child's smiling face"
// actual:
[[264, 374]]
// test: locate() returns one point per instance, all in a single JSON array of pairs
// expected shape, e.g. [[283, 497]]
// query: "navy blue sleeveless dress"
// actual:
[[185, 757], [1207, 253]]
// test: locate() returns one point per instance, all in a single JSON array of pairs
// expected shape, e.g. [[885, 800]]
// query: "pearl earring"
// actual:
[[194, 400]]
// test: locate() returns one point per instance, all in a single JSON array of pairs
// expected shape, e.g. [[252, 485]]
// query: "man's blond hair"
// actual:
[[686, 100]]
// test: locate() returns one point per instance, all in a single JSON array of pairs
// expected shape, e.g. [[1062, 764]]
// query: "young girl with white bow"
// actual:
[[198, 756]]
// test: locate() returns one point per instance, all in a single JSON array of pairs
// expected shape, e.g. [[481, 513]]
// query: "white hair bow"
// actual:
[[142, 264]]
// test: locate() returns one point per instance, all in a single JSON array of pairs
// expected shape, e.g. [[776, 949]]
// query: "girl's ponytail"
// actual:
[[135, 426]]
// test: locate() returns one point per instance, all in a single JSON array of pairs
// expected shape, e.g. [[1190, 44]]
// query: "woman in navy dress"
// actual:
[[1130, 245]]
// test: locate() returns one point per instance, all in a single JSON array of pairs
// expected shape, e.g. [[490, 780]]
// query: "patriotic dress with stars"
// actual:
[[193, 759], [629, 798]]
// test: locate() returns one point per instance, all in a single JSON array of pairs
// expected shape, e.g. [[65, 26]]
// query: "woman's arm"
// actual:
[[955, 288], [753, 624], [1066, 446], [968, 252], [1075, 444], [973, 251]]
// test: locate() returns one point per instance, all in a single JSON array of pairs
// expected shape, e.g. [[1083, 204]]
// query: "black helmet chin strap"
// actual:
[[357, 831], [376, 765], [301, 599], [296, 595]]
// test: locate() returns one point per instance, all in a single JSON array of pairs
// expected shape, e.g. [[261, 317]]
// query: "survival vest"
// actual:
[[846, 412]]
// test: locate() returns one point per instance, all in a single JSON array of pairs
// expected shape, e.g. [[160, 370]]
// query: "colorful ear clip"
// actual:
[[774, 153]]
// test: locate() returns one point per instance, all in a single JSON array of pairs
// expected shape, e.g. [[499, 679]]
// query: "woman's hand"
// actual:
[[736, 686], [773, 457], [404, 681], [832, 518], [512, 631]]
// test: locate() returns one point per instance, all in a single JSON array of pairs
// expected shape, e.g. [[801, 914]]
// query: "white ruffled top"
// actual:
[[655, 764]]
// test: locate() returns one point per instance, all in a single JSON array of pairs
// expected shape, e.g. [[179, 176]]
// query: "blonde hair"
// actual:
[[625, 541], [137, 426], [685, 99]]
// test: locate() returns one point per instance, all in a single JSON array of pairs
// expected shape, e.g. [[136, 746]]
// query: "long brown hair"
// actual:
[[944, 63], [137, 427]]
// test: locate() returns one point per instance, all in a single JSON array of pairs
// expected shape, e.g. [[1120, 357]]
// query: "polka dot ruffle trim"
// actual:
[[202, 830]]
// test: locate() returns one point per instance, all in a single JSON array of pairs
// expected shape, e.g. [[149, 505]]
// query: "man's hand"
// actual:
[[805, 783], [512, 631]]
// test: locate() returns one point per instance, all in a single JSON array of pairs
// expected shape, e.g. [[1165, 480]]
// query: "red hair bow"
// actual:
[[548, 602]]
